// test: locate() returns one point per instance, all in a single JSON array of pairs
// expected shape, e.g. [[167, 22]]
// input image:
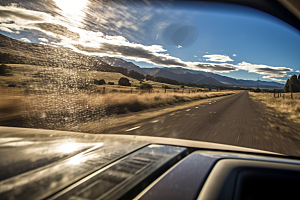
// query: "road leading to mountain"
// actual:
[[235, 120]]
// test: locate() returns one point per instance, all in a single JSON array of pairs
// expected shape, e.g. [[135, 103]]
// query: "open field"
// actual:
[[288, 107], [47, 97], [52, 110], [23, 74]]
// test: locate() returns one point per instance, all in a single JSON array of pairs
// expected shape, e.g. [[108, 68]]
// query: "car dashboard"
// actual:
[[158, 171]]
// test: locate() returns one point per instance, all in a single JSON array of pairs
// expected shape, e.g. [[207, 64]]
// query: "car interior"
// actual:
[[155, 170]]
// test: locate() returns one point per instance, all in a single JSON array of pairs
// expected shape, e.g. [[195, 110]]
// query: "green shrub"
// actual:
[[124, 81], [166, 87], [99, 82], [136, 75], [12, 85], [146, 86]]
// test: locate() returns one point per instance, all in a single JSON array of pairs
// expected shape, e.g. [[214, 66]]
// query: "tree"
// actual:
[[136, 75], [257, 90], [287, 86], [166, 80], [294, 84], [148, 77], [99, 82], [146, 86], [166, 87], [124, 81]]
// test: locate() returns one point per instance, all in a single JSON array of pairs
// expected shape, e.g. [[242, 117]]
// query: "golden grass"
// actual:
[[284, 104], [55, 110], [23, 73], [10, 104], [122, 101], [157, 99], [45, 95]]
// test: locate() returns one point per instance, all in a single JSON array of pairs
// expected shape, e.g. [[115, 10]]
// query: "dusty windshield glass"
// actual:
[[200, 71]]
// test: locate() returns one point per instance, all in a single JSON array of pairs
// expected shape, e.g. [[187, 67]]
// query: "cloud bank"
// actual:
[[217, 58], [43, 39], [25, 40]]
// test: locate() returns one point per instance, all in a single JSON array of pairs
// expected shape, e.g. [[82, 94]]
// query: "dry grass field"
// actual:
[[284, 104], [23, 73], [41, 97]]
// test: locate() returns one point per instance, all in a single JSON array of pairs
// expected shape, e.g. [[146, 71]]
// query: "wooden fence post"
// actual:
[[292, 95]]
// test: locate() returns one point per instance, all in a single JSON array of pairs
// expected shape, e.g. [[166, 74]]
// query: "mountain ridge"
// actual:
[[186, 77], [17, 52]]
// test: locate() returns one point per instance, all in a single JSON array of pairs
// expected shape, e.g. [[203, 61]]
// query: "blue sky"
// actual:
[[229, 40]]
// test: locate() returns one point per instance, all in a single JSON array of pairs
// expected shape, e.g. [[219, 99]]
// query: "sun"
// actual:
[[72, 7]]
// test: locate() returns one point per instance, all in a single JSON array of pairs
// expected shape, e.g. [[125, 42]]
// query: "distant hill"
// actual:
[[209, 80], [117, 62], [185, 77], [175, 70], [17, 52], [223, 79], [270, 84], [149, 70], [239, 82]]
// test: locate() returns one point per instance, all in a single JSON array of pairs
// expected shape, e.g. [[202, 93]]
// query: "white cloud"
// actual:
[[195, 56], [233, 54], [298, 71], [25, 40], [212, 67], [270, 72], [217, 58], [6, 29], [179, 46], [43, 39], [273, 79]]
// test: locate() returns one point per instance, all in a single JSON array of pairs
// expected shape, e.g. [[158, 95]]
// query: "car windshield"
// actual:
[[201, 71]]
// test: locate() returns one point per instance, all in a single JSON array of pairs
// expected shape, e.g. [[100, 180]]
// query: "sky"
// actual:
[[226, 39]]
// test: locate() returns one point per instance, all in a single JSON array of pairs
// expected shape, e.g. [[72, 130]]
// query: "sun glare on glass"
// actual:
[[71, 7], [68, 147]]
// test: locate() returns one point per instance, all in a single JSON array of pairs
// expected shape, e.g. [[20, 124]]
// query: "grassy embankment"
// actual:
[[290, 108], [41, 96]]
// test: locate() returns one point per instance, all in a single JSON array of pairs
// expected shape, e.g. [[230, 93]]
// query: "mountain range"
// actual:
[[16, 52], [192, 76]]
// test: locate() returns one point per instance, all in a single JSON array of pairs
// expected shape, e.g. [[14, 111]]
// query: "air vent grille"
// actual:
[[124, 174], [133, 165]]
